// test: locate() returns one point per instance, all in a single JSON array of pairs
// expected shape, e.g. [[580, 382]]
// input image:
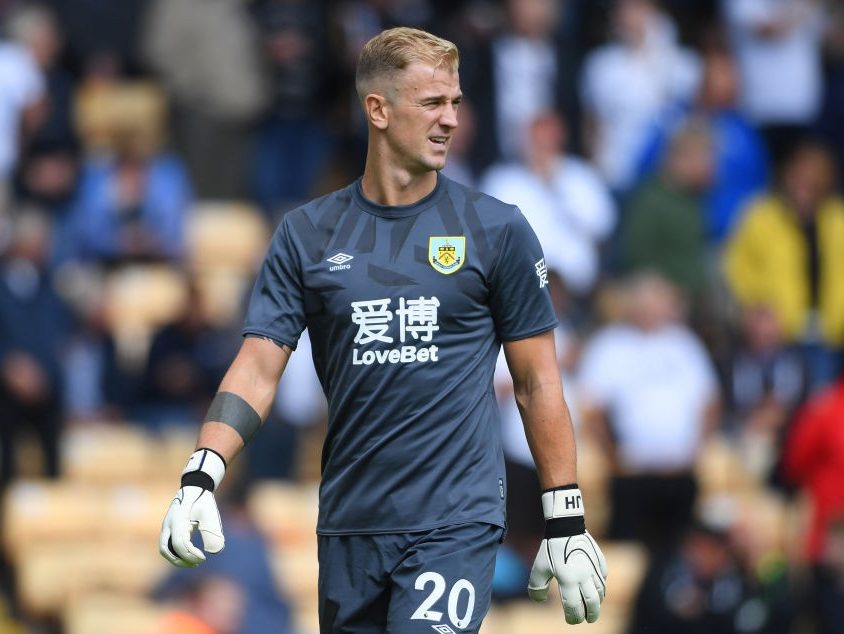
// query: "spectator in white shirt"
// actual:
[[630, 82], [649, 395], [22, 104], [563, 198], [778, 47]]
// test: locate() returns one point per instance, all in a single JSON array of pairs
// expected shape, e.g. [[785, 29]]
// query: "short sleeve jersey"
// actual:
[[406, 307]]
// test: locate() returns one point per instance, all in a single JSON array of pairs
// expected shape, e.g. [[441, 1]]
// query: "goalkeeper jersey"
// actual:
[[406, 307]]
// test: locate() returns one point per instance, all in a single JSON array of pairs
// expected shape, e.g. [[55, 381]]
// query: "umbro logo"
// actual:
[[339, 261]]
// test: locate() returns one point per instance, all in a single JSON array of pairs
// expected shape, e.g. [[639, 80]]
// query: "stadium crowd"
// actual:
[[680, 162]]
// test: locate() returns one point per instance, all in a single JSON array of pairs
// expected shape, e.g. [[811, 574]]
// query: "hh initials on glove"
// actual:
[[569, 554], [194, 507]]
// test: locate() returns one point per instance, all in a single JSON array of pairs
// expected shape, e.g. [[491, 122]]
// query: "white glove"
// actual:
[[194, 507], [569, 553]]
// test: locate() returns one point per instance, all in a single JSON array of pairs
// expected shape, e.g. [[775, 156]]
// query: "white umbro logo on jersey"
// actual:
[[339, 261], [443, 629]]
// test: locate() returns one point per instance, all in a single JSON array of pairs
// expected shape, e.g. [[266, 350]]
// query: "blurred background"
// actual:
[[680, 161]]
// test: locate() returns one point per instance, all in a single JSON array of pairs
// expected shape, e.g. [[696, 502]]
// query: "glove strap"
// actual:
[[205, 469], [563, 510]]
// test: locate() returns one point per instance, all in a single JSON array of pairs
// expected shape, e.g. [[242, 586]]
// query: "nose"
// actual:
[[448, 118]]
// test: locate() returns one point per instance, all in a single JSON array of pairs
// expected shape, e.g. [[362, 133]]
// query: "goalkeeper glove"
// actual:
[[194, 507], [569, 553]]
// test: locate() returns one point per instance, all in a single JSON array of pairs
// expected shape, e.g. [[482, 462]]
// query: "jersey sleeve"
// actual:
[[520, 299], [276, 307]]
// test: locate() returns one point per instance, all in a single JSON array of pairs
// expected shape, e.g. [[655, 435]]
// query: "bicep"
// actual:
[[532, 359]]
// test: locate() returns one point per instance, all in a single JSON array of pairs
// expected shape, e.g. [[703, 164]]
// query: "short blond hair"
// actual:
[[395, 49]]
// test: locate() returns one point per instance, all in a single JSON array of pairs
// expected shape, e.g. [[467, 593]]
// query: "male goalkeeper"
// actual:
[[409, 284]]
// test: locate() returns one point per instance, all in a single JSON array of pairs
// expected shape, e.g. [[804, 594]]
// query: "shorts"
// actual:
[[432, 582]]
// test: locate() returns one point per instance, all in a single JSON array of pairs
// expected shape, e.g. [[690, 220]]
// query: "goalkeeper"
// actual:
[[409, 284]]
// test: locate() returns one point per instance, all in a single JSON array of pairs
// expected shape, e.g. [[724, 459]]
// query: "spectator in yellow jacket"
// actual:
[[788, 253]]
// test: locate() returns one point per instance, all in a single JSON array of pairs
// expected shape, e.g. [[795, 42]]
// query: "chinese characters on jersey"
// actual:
[[417, 321]]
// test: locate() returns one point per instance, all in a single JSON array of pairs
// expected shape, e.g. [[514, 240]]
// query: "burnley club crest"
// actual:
[[447, 253]]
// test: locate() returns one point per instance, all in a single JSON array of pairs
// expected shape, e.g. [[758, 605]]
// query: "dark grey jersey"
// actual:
[[406, 308]]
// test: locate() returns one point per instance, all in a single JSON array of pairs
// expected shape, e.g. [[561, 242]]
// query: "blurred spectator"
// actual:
[[650, 397], [131, 205], [246, 564], [766, 380], [207, 54], [34, 324], [211, 604], [97, 385], [295, 142], [34, 27], [831, 123], [186, 362], [740, 160], [702, 587], [101, 32], [631, 82], [664, 227], [22, 98], [814, 460], [788, 253], [778, 47], [523, 72], [563, 198]]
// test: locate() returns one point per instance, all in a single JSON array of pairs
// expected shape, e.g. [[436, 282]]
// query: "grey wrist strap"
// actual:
[[230, 409]]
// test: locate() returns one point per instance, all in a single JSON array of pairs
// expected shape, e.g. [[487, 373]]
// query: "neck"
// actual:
[[386, 183]]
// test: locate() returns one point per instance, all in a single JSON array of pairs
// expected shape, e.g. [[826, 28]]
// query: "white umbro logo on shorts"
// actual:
[[339, 261], [443, 629]]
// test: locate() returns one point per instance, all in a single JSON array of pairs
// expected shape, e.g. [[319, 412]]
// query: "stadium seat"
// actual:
[[51, 577], [103, 111], [109, 453], [99, 613], [285, 513], [226, 236]]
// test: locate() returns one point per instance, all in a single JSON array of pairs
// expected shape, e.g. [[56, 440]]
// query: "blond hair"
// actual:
[[395, 49]]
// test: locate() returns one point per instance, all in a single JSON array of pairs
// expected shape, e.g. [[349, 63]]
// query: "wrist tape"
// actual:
[[563, 510], [205, 469]]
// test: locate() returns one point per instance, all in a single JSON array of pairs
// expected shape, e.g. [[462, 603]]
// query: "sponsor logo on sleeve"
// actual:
[[542, 273]]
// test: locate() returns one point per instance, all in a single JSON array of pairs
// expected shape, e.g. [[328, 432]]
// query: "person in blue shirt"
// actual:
[[740, 159], [409, 284]]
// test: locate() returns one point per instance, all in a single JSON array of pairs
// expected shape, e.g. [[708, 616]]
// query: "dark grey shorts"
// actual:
[[433, 582]]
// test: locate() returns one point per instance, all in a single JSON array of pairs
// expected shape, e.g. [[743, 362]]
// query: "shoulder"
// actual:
[[489, 210], [311, 214]]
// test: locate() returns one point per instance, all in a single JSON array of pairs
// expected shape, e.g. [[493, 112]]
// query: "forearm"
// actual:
[[252, 378], [549, 432]]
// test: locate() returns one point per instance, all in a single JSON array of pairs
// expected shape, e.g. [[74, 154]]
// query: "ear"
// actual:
[[377, 110]]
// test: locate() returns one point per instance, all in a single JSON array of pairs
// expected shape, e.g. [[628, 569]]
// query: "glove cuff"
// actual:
[[205, 469], [563, 510]]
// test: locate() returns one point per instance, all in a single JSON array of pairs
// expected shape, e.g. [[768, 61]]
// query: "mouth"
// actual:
[[441, 141]]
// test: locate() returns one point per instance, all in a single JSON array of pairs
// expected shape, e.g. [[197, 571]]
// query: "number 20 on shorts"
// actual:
[[426, 613]]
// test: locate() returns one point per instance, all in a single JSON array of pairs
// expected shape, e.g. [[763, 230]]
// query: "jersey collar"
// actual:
[[398, 211]]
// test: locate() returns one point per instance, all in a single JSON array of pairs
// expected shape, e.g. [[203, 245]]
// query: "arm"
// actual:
[[539, 396], [568, 553], [240, 407], [253, 376]]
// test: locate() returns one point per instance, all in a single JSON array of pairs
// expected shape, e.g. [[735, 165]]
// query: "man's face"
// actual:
[[423, 107]]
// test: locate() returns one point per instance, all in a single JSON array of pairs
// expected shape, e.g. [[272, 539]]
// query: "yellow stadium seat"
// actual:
[[101, 613], [285, 513], [53, 576], [226, 236], [108, 453]]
